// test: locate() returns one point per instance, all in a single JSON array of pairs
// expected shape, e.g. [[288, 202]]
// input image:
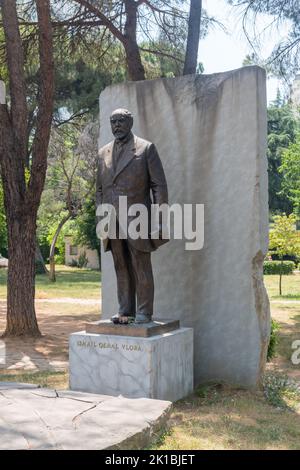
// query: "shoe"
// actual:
[[116, 319], [143, 318]]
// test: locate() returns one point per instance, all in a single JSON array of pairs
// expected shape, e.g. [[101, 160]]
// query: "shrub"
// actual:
[[275, 267], [273, 339], [59, 258], [82, 260], [280, 390]]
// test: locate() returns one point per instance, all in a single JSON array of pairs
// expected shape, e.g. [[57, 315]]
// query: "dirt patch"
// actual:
[[49, 352]]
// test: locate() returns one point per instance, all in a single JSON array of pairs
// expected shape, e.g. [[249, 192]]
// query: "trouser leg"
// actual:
[[144, 283], [125, 277]]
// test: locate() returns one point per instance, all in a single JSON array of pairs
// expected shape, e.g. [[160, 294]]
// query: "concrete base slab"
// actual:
[[33, 418]]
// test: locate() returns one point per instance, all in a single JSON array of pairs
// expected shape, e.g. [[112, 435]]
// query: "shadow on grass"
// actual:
[[50, 351]]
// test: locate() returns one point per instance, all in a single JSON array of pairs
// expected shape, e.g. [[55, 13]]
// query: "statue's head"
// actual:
[[121, 121]]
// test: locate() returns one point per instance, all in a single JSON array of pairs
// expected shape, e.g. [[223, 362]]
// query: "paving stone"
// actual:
[[37, 418]]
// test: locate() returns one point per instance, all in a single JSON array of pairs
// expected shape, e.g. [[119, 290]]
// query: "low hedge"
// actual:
[[275, 267]]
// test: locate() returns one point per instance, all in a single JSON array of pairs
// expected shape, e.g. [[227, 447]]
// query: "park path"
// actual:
[[70, 300], [57, 319]]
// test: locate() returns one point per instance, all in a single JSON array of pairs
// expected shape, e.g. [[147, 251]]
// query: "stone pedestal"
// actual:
[[159, 367]]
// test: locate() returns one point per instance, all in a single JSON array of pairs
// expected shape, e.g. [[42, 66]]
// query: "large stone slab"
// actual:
[[36, 419], [210, 131], [159, 367]]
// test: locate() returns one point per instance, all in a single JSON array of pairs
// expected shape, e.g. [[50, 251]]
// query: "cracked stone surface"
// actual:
[[210, 131], [36, 418]]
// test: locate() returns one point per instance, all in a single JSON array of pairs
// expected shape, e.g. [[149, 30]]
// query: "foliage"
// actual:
[[285, 55], [290, 170], [3, 67], [278, 389], [282, 128], [82, 260], [74, 263], [102, 34], [284, 238], [273, 339], [277, 267], [86, 226], [59, 257], [78, 85], [69, 185]]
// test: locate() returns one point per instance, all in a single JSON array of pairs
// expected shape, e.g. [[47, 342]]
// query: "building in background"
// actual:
[[80, 255]]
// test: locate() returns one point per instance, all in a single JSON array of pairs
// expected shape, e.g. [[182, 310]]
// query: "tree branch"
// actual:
[[57, 24], [164, 54], [106, 21]]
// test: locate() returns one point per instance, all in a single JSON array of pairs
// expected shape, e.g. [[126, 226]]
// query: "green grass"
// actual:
[[218, 417], [45, 379], [70, 282], [290, 286], [85, 283]]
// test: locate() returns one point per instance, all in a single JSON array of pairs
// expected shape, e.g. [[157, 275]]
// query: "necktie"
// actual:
[[118, 148]]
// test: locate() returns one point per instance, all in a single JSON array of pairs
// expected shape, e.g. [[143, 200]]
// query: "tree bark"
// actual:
[[52, 276], [135, 67], [21, 318], [191, 56], [21, 199]]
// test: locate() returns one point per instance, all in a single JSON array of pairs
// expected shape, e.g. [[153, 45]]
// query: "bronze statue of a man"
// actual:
[[130, 166]]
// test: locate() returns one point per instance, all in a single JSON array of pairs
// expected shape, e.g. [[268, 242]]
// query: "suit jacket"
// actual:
[[139, 175]]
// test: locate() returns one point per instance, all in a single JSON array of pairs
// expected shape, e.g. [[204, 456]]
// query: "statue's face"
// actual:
[[121, 125]]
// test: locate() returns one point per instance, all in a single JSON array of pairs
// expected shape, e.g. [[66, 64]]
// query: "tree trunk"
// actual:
[[22, 197], [21, 316], [21, 224], [280, 278], [191, 56], [52, 276], [135, 67]]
